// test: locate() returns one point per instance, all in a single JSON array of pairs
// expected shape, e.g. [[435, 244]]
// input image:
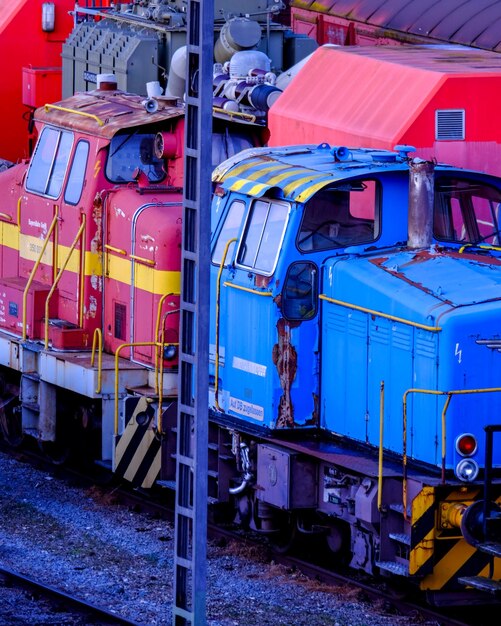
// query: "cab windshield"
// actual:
[[466, 212], [130, 151]]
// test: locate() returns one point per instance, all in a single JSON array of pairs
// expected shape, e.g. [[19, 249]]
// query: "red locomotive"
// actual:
[[90, 274]]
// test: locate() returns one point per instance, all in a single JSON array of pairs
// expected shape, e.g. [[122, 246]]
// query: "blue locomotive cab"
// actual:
[[270, 242]]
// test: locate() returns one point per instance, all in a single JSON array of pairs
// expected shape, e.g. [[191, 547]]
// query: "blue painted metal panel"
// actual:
[[456, 297]]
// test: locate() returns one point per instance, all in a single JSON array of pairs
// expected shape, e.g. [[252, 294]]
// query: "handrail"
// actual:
[[256, 292], [99, 335], [141, 259], [218, 293], [117, 352], [67, 110], [113, 249], [432, 392], [6, 217], [83, 246], [35, 267], [364, 309], [245, 116], [157, 330], [58, 278], [161, 372], [380, 462], [481, 247]]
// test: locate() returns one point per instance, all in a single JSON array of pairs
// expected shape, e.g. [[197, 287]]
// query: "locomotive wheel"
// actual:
[[338, 541], [10, 422], [57, 453], [284, 540]]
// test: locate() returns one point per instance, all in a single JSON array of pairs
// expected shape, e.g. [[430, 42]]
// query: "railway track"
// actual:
[[54, 604], [378, 594]]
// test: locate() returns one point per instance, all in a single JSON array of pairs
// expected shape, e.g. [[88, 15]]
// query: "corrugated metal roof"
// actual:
[[105, 112], [467, 22], [371, 95], [298, 171]]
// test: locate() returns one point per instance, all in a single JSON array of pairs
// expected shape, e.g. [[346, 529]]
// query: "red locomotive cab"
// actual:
[[55, 248]]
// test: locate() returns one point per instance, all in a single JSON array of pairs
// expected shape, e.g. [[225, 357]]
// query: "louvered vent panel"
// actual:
[[449, 124]]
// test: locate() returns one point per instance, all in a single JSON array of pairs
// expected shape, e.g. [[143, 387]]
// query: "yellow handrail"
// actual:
[[117, 353], [159, 383], [157, 330], [380, 464], [58, 278], [256, 292], [35, 267], [82, 280], [67, 110], [349, 305], [482, 247], [218, 292], [113, 249], [432, 392], [141, 259], [99, 335], [245, 116], [6, 217]]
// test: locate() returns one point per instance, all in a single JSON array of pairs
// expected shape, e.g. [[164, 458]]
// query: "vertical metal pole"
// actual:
[[190, 548]]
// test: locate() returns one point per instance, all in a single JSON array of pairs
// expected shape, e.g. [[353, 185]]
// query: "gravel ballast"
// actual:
[[78, 541]]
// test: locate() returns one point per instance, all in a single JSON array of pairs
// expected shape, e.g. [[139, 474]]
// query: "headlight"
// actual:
[[466, 444], [170, 352], [467, 470]]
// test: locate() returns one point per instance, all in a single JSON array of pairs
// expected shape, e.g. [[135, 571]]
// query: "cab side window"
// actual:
[[300, 292], [229, 231], [76, 177], [263, 235], [466, 212], [49, 162]]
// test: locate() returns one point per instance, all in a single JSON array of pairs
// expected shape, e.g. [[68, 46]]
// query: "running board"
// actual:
[[481, 583]]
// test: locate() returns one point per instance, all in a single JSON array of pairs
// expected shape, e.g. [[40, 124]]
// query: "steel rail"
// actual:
[[71, 602]]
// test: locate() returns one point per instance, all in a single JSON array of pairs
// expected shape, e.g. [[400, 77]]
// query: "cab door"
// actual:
[[51, 211], [256, 353]]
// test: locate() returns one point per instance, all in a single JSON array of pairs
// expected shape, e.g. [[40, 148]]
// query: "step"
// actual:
[[401, 538], [31, 406], [66, 336], [490, 548], [392, 566], [32, 376], [398, 507], [168, 484], [481, 583]]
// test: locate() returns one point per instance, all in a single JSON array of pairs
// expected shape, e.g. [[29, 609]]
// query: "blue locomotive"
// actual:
[[355, 358]]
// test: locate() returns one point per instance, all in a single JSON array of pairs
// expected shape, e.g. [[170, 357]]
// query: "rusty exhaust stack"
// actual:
[[420, 219]]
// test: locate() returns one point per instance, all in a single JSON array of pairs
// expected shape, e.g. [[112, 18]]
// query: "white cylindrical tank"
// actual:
[[177, 72], [239, 33], [243, 62]]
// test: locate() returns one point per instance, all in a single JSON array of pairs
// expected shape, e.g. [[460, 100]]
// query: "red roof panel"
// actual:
[[466, 22]]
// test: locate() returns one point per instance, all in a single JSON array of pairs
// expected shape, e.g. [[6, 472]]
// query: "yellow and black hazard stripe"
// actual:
[[138, 449], [440, 556]]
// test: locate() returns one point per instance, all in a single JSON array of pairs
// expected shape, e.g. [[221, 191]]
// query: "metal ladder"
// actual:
[[190, 549]]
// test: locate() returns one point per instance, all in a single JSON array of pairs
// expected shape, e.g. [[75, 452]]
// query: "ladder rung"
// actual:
[[401, 538], [186, 563], [393, 567]]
